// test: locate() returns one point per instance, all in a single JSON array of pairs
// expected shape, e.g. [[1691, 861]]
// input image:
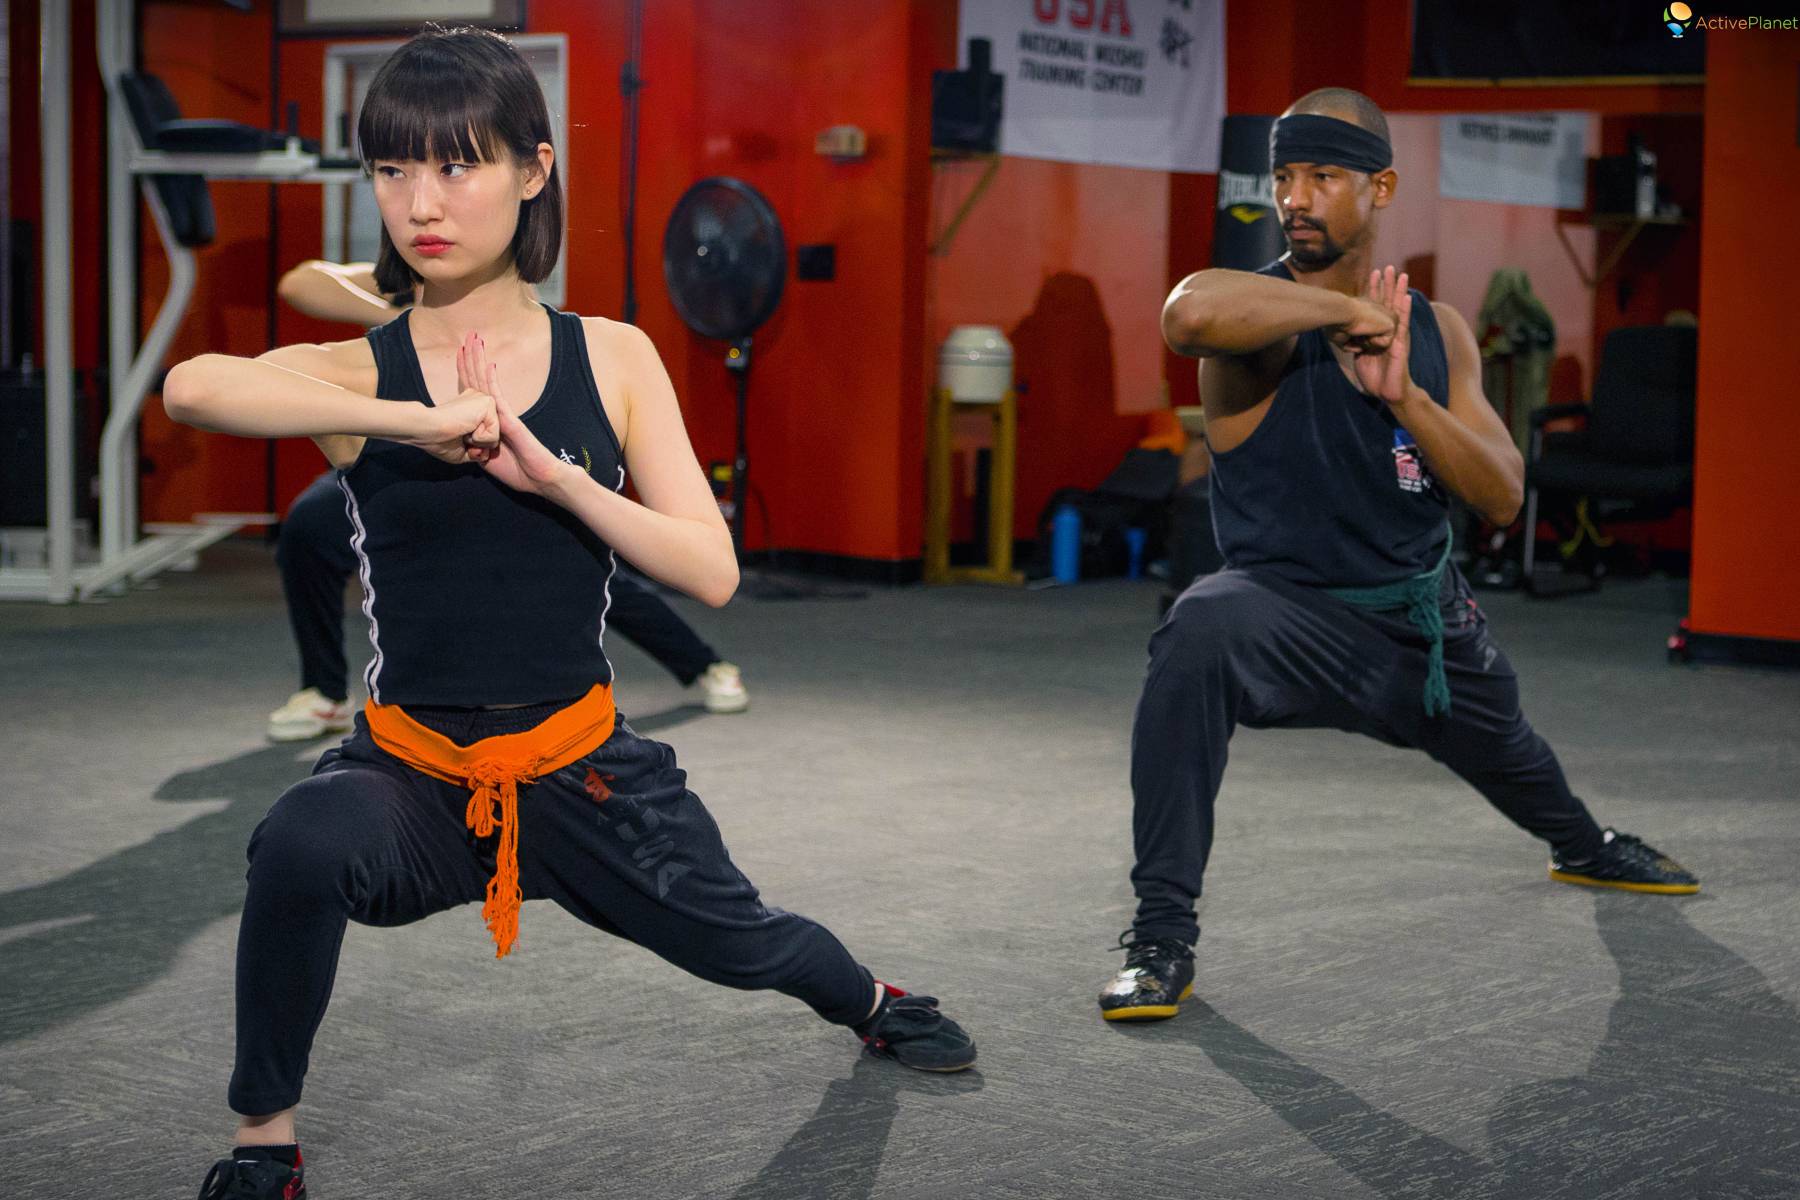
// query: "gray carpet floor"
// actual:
[[1392, 999]]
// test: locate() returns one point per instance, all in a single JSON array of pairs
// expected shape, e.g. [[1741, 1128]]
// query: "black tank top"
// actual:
[[478, 595], [1330, 490]]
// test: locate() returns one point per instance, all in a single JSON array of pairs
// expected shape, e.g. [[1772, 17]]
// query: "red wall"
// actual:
[[1746, 567]]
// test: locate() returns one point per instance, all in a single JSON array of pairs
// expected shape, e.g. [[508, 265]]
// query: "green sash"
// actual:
[[1418, 595]]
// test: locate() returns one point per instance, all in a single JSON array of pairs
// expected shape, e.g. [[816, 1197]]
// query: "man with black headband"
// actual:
[[1343, 410]]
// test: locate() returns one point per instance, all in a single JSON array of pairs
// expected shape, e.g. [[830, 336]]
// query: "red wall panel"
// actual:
[[1746, 568]]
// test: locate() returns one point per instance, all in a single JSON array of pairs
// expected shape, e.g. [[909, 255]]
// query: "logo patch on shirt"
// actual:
[[587, 460], [1409, 469]]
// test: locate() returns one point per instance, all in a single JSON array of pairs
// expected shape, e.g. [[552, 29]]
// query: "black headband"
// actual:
[[1322, 141]]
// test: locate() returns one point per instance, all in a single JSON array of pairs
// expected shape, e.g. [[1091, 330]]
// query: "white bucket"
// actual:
[[975, 365]]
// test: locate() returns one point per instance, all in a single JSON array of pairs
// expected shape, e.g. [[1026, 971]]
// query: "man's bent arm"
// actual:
[[1465, 445], [1221, 311]]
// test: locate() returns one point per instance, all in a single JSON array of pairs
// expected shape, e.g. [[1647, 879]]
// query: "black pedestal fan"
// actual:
[[725, 263]]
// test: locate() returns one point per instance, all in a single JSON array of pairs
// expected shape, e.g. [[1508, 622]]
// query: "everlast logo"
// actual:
[[1235, 187]]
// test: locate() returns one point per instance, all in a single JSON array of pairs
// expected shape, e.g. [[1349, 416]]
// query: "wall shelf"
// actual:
[[1627, 225]]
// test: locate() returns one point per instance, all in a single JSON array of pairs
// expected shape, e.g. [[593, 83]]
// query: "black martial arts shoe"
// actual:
[[254, 1173], [911, 1031], [1157, 976], [1626, 862]]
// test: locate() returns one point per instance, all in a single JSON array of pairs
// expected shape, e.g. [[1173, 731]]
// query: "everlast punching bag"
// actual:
[[1246, 229]]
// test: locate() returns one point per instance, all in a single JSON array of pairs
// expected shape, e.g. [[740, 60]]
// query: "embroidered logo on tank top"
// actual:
[[1410, 472], [587, 460]]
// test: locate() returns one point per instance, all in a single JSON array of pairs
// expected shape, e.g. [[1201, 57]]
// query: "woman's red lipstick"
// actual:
[[431, 245]]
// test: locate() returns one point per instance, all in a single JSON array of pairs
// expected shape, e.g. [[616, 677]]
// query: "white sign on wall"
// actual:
[[1515, 158], [1130, 83]]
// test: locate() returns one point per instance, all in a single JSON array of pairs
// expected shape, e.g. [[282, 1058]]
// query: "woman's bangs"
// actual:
[[411, 116]]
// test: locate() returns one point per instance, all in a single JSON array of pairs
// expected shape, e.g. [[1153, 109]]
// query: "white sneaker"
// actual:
[[723, 686], [308, 715]]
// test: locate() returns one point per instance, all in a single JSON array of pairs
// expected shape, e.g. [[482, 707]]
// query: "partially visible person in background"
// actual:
[[316, 559]]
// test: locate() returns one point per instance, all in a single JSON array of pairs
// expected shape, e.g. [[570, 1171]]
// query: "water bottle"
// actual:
[[1135, 538], [1065, 544], [1643, 165]]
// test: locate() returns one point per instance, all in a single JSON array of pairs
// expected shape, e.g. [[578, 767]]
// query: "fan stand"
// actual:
[[737, 361], [754, 583]]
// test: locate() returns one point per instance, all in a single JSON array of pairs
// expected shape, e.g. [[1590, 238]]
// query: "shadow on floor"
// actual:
[[1693, 1092], [653, 723], [118, 924], [836, 1154]]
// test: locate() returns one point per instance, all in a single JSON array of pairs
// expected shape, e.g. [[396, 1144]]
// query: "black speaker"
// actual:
[[21, 286], [23, 433], [966, 105], [22, 466]]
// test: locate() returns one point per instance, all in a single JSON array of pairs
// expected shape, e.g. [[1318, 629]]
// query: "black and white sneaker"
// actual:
[[257, 1173], [1157, 976], [910, 1030], [1626, 863]]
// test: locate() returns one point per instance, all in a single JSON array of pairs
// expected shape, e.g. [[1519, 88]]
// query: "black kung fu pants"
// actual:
[[1246, 647], [615, 838]]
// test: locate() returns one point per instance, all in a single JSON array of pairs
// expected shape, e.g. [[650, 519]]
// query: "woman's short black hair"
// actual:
[[463, 94]]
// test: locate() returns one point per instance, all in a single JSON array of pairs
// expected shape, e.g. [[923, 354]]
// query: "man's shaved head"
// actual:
[[1345, 105]]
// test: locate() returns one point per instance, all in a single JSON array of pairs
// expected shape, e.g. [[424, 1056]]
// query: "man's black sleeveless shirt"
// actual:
[[1330, 490], [478, 595]]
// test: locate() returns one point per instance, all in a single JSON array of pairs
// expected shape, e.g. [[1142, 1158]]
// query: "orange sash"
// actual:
[[492, 769]]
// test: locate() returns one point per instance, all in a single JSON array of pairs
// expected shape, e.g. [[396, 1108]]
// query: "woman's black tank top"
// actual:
[[1330, 490], [478, 595]]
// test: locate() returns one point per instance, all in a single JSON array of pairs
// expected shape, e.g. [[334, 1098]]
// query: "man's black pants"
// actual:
[[316, 561], [1244, 647], [614, 838]]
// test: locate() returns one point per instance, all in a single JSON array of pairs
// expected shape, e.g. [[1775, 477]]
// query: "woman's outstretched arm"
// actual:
[[325, 393]]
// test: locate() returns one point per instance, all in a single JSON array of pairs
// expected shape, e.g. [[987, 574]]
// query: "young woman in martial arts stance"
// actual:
[[490, 763], [315, 558]]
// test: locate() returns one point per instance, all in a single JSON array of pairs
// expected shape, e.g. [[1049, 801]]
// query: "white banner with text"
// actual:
[[1515, 158], [1130, 83]]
